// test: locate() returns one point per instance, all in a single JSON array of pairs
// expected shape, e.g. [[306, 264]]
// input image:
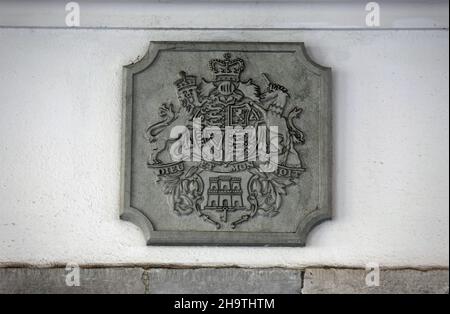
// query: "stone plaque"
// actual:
[[227, 143]]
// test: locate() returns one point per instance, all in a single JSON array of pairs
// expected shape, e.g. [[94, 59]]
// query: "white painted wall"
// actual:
[[60, 132], [286, 14]]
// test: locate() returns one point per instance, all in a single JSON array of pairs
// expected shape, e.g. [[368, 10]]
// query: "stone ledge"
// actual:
[[138, 280], [53, 281], [353, 281], [225, 281]]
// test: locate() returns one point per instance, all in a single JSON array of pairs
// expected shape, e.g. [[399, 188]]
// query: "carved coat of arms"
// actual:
[[227, 143]]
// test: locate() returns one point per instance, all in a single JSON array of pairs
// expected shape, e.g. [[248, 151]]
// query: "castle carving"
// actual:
[[224, 195]]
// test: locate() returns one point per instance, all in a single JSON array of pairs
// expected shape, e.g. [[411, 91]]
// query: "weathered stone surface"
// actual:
[[220, 280], [157, 281], [53, 281], [224, 281], [346, 281]]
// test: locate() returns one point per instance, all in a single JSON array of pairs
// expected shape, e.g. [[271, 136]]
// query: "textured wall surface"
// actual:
[[220, 281], [60, 132]]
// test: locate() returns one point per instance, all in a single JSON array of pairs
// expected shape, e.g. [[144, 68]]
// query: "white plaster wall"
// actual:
[[60, 132]]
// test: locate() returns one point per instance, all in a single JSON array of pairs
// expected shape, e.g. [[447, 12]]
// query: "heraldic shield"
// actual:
[[226, 144]]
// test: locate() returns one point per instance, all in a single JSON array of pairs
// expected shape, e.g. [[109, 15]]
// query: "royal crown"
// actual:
[[227, 69], [185, 82]]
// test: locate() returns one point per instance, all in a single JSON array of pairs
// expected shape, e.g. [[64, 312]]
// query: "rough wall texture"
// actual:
[[349, 281], [221, 281], [60, 126]]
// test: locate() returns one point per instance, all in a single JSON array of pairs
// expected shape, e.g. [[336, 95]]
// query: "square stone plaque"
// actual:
[[189, 180]]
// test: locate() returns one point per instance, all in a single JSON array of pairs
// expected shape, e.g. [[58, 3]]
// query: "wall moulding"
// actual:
[[233, 14]]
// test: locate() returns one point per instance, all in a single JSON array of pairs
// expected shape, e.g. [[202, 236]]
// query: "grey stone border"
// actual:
[[141, 280]]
